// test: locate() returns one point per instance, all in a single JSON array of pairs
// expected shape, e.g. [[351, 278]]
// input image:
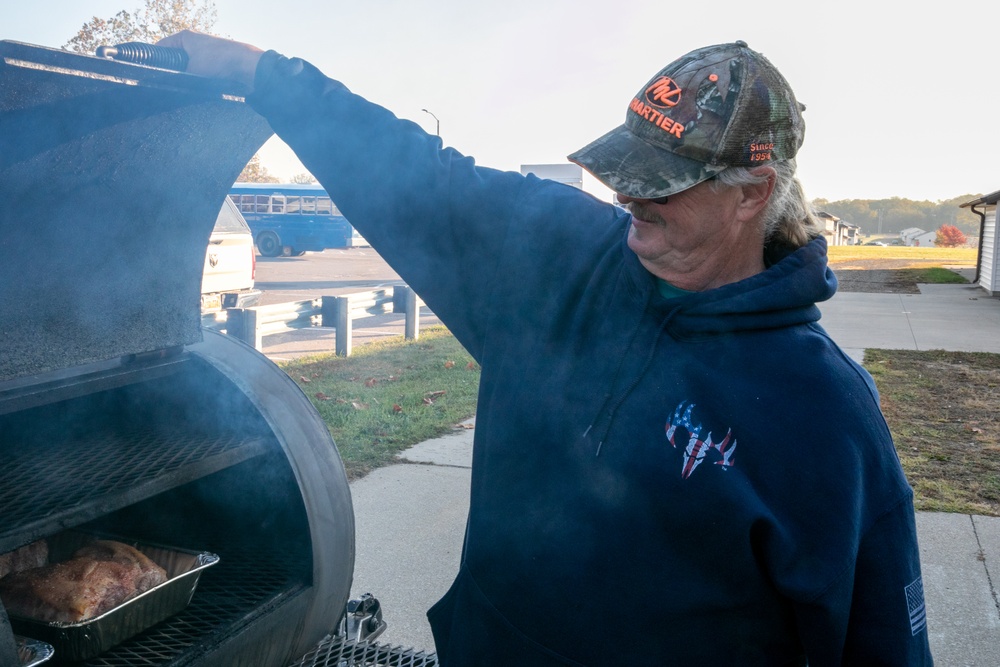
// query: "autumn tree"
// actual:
[[149, 23], [949, 236], [255, 172]]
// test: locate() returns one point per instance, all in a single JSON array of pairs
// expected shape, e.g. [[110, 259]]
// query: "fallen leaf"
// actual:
[[396, 407], [471, 366], [371, 382], [359, 406], [465, 426], [449, 364], [321, 396], [341, 401], [303, 378]]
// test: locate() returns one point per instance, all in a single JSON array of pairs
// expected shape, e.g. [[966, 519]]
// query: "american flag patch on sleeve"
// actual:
[[915, 605]]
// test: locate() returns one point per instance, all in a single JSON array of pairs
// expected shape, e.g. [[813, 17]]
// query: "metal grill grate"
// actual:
[[338, 652], [85, 472], [40, 481], [187, 461], [241, 584]]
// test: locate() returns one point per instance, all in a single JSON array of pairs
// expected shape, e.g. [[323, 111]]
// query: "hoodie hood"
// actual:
[[783, 295]]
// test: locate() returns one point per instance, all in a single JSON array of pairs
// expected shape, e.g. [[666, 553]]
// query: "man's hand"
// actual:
[[216, 57]]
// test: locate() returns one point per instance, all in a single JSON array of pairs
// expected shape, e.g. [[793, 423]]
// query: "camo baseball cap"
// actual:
[[716, 107]]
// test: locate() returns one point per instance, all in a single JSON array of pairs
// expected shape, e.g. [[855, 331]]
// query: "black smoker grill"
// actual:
[[118, 413]]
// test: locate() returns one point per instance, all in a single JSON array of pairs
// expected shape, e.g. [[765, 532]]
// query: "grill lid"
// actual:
[[111, 177]]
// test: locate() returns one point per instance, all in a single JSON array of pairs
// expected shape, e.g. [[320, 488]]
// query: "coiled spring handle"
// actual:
[[146, 54]]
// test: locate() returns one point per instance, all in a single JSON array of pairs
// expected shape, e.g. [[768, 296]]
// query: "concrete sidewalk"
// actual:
[[941, 317], [410, 517]]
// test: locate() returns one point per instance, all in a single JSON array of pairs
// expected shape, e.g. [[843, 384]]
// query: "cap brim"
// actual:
[[630, 166]]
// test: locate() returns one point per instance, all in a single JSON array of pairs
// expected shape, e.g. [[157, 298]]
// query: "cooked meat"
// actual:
[[98, 578], [146, 573], [67, 592], [31, 555]]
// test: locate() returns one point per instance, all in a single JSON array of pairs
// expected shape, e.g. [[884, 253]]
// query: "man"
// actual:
[[673, 463]]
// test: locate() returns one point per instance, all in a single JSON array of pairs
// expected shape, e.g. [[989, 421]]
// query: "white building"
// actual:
[[568, 173], [836, 231], [914, 236], [988, 261]]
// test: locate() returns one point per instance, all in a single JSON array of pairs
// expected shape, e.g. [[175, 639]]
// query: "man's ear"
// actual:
[[755, 196]]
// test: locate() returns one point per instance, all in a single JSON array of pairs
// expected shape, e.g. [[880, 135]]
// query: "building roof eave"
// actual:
[[991, 198]]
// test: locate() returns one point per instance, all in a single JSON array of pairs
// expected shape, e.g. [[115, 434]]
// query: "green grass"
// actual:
[[390, 395], [934, 275]]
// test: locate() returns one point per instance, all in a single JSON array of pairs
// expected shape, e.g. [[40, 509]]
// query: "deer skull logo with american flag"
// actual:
[[697, 447]]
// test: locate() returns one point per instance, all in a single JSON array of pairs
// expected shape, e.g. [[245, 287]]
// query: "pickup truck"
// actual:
[[230, 263]]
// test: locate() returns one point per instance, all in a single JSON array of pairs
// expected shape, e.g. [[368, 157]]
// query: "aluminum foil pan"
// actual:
[[86, 639], [31, 652]]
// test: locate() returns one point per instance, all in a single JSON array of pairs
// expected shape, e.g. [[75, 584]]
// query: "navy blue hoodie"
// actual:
[[703, 480]]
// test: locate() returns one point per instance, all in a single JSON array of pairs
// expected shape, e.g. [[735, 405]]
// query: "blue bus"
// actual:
[[291, 218]]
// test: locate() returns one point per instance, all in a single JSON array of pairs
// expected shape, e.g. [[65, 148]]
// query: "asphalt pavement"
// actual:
[[411, 516]]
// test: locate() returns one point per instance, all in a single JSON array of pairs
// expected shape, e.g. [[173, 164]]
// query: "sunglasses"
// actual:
[[656, 200], [663, 200]]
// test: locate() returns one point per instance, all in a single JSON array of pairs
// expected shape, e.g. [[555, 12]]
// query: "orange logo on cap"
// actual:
[[663, 93]]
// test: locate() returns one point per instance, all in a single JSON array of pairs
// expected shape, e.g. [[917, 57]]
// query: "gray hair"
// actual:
[[787, 218]]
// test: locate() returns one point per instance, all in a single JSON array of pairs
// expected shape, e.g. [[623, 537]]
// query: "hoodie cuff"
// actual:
[[266, 70]]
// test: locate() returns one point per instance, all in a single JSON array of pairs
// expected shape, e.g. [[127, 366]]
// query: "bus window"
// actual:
[[292, 218], [243, 202]]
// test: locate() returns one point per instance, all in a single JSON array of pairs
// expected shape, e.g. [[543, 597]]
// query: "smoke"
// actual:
[[110, 187]]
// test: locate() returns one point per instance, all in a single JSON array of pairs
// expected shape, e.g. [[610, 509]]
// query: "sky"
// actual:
[[901, 98]]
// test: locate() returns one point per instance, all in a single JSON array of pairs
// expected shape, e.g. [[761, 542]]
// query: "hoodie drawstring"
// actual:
[[632, 385]]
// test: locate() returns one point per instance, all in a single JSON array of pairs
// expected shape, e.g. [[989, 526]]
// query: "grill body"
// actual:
[[118, 414]]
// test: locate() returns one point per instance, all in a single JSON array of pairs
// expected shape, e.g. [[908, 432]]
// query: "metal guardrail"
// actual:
[[337, 312]]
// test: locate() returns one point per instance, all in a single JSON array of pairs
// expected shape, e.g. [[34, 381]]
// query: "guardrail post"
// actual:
[[405, 299], [242, 323], [328, 312], [340, 314]]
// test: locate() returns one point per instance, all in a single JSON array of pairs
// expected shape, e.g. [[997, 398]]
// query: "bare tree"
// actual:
[[149, 23], [255, 172], [305, 178]]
